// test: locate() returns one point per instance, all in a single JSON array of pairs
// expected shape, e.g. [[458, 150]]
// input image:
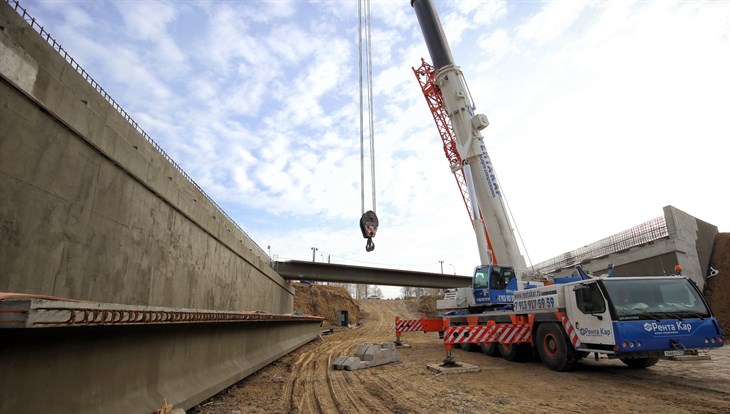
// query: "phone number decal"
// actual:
[[535, 304]]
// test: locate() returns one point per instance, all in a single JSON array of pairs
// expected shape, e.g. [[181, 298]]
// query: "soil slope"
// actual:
[[325, 301]]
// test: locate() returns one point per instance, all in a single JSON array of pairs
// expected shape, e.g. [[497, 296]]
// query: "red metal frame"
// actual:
[[426, 79], [417, 325]]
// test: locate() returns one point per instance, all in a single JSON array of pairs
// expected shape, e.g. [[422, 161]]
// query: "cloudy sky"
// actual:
[[601, 114]]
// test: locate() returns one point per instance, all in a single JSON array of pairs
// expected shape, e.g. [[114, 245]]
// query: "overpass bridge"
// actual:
[[127, 287]]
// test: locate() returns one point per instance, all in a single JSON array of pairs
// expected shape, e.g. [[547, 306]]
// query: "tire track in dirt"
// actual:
[[344, 391], [371, 388]]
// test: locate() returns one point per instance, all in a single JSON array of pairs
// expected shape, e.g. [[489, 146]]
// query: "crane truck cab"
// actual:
[[635, 319], [493, 288], [494, 285]]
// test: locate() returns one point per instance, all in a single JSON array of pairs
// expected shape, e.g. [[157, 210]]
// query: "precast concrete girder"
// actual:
[[327, 272], [82, 357]]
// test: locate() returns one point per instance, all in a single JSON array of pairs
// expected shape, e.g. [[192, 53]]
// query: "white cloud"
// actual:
[[554, 19], [601, 114]]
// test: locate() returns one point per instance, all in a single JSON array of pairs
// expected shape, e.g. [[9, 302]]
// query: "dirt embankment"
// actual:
[[325, 301], [717, 288]]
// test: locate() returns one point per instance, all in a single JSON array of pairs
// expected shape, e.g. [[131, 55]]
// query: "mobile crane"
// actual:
[[453, 110], [635, 319]]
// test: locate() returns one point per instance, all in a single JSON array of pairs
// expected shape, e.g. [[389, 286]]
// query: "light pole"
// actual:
[[442, 266], [314, 252], [454, 267]]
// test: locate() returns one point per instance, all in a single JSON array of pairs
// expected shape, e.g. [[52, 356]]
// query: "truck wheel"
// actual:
[[489, 348], [554, 349], [640, 362], [515, 352], [473, 348]]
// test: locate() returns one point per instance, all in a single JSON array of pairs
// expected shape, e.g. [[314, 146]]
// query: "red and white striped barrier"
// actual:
[[408, 325], [504, 334], [572, 334]]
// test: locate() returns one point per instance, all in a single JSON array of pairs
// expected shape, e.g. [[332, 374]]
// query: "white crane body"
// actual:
[[637, 320]]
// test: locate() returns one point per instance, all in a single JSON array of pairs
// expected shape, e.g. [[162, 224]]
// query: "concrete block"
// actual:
[[348, 363], [368, 355], [339, 361]]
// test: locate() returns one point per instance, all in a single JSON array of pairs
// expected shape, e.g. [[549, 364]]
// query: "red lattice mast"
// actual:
[[426, 78]]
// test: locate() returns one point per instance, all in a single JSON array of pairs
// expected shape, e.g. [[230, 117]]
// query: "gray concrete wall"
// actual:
[[91, 210], [689, 245]]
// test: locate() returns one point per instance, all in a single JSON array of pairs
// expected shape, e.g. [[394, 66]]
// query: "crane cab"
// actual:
[[494, 285]]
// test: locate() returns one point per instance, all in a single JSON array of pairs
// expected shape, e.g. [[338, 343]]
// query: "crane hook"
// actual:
[[368, 227]]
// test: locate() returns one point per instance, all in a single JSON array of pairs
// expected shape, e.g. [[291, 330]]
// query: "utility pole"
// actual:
[[442, 266], [314, 252]]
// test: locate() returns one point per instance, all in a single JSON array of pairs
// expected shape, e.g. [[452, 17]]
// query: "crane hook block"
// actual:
[[368, 227]]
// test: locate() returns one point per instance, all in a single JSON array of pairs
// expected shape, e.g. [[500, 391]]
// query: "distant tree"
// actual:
[[407, 291], [362, 291]]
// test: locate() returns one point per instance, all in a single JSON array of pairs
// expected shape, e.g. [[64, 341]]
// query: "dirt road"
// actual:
[[303, 381]]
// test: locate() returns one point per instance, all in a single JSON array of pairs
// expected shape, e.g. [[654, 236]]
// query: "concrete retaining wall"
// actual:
[[689, 244], [91, 210]]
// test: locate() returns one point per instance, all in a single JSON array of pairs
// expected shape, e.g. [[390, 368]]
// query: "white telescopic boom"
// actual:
[[481, 177]]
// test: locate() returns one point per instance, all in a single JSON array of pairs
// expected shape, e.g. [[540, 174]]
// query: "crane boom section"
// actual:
[[480, 176]]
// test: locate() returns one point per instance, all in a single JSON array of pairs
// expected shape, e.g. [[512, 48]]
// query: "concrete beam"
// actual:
[[88, 357], [326, 272]]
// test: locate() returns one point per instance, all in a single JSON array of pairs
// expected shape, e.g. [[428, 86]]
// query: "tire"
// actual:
[[473, 348], [554, 349], [490, 348], [515, 352], [640, 362]]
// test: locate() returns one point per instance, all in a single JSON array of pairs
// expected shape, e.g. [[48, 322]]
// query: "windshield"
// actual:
[[498, 277], [657, 299]]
